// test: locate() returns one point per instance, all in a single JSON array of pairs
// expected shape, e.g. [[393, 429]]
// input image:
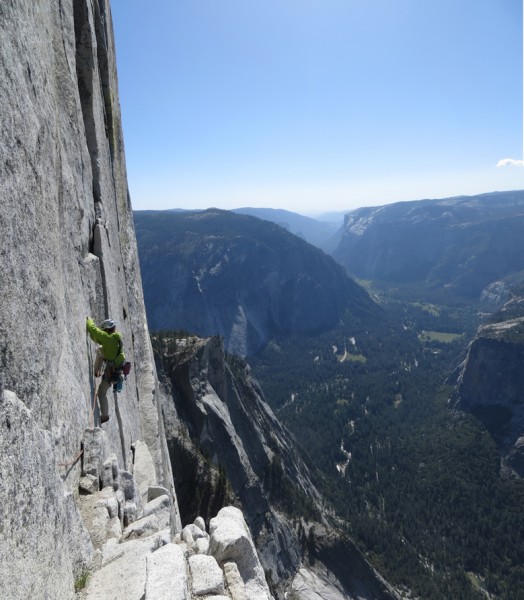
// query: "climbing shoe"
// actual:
[[104, 419]]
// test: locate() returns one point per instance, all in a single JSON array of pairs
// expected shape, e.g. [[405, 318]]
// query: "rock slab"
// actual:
[[166, 574]]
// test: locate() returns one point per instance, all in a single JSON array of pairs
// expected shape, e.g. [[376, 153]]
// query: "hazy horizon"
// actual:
[[305, 104]]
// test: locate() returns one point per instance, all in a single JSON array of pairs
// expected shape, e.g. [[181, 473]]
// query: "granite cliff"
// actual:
[[490, 382], [465, 248]]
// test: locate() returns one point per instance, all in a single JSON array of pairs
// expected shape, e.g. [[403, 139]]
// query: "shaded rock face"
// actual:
[[464, 244], [350, 569], [248, 280], [217, 415], [67, 250], [491, 384], [221, 417]]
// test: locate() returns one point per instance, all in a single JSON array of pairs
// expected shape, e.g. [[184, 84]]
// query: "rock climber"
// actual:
[[109, 361]]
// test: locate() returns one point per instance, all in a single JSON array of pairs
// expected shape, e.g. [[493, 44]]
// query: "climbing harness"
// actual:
[[117, 375], [114, 375]]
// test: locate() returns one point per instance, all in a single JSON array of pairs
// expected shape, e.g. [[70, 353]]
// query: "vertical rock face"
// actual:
[[67, 250], [491, 383], [216, 411]]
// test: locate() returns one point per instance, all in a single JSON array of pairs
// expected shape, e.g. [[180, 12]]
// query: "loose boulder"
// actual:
[[231, 542]]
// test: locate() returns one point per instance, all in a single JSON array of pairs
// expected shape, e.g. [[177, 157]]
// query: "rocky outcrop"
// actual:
[[214, 272], [491, 383], [231, 544], [467, 248], [136, 555]]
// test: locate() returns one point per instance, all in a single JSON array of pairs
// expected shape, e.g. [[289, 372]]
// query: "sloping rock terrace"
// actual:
[[129, 520]]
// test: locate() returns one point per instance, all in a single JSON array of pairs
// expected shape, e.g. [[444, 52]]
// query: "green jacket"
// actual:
[[111, 343]]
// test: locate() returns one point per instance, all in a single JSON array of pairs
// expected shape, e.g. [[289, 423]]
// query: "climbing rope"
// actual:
[[92, 420]]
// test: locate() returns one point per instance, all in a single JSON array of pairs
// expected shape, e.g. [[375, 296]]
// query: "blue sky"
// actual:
[[314, 105]]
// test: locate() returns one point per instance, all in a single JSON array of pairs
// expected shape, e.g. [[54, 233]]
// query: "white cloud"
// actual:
[[510, 162]]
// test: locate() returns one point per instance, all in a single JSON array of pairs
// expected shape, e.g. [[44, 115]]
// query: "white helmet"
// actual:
[[107, 324]]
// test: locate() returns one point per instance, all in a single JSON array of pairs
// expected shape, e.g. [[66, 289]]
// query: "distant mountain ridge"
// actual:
[[322, 231], [216, 272], [322, 234], [459, 245]]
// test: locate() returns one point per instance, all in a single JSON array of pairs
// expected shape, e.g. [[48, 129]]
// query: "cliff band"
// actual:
[[67, 250]]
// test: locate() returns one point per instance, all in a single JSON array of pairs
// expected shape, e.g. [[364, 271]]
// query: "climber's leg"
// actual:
[[102, 399], [99, 362]]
